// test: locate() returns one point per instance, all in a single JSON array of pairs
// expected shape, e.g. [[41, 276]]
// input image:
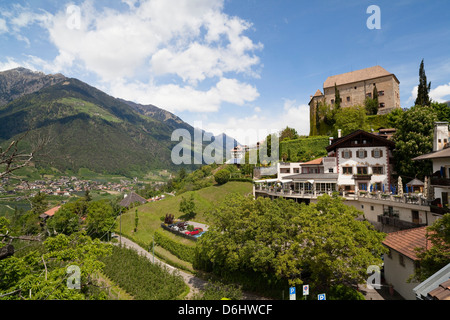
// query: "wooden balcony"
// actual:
[[364, 177], [438, 181]]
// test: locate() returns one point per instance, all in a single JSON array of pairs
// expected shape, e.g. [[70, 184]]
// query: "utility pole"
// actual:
[[120, 241]]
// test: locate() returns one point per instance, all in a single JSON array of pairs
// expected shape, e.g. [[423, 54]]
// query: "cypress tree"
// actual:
[[337, 97], [423, 90]]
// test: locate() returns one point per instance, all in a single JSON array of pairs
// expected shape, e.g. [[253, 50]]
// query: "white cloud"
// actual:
[[159, 52], [254, 128], [440, 93], [176, 98], [3, 26], [9, 64]]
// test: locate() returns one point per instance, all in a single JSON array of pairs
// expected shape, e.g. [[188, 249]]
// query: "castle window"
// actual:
[[348, 99], [382, 105], [381, 93], [369, 95]]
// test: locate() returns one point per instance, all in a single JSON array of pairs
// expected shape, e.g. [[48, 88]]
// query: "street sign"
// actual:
[[322, 297], [306, 290], [292, 295]]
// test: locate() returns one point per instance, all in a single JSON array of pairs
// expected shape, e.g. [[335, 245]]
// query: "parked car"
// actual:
[[194, 232], [200, 234]]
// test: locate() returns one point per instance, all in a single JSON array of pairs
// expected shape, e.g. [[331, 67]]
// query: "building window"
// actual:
[[362, 170], [382, 105], [330, 170], [332, 101], [401, 259], [363, 186], [348, 99], [381, 93], [296, 170], [369, 95], [372, 208], [361, 154], [346, 154], [377, 153], [377, 170], [347, 170]]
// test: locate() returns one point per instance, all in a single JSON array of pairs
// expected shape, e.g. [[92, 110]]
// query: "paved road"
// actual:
[[196, 284]]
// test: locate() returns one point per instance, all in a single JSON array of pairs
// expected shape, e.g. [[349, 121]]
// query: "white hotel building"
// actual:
[[359, 167]]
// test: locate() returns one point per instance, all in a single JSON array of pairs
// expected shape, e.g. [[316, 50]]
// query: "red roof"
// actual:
[[52, 211], [315, 161], [406, 241]]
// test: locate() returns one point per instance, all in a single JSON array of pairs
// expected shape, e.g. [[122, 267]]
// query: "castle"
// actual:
[[354, 87]]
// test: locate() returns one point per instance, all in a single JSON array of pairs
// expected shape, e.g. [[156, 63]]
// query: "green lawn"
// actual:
[[149, 214]]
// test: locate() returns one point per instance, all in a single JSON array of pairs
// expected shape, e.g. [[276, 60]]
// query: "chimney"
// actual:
[[339, 133], [441, 135], [331, 140]]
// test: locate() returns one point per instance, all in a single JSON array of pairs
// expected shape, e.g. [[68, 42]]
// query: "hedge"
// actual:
[[179, 250]]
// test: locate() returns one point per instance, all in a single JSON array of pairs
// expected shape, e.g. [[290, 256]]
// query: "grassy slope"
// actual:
[[149, 214]]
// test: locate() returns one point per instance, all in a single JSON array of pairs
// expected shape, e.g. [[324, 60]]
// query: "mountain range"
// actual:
[[88, 128]]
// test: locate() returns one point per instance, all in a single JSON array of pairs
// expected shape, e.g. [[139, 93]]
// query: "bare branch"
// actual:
[[13, 160]]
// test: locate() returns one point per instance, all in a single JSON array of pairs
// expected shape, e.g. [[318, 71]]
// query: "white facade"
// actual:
[[285, 169], [397, 269], [363, 167]]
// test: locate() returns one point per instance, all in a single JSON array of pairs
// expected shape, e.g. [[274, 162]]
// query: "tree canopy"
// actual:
[[438, 256], [322, 243], [414, 137]]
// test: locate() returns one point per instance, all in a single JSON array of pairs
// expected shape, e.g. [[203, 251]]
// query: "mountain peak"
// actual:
[[20, 81]]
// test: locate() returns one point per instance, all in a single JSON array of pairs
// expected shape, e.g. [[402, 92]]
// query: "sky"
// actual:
[[242, 67]]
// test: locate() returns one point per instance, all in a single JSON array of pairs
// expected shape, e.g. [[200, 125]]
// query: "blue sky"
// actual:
[[227, 65]]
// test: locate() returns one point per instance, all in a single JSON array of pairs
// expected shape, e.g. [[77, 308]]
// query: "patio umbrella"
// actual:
[[407, 189], [383, 187], [371, 188]]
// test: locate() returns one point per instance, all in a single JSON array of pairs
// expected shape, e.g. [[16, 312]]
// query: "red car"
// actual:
[[195, 231]]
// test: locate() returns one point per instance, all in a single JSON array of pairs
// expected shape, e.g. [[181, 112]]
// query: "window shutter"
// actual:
[[365, 154], [350, 153], [381, 153], [373, 154]]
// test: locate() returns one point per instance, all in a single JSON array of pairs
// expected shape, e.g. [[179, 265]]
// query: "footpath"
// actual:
[[195, 284]]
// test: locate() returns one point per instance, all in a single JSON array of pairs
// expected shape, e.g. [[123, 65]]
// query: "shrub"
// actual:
[[222, 176]]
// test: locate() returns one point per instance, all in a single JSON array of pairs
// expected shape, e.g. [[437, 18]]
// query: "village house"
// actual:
[[401, 261]]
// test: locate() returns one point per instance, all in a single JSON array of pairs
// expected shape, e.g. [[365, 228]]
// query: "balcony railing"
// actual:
[[437, 181], [439, 210], [396, 222], [362, 176]]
